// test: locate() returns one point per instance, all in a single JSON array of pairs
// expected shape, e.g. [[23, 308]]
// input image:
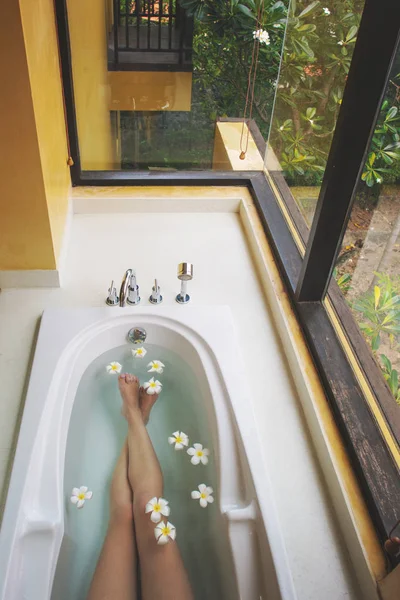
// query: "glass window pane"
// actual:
[[163, 84], [319, 44], [368, 266]]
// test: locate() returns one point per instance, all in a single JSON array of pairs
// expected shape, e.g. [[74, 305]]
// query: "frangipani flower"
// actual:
[[204, 495], [139, 352], [262, 36], [79, 495], [198, 454], [180, 439], [113, 368], [156, 365], [157, 507], [152, 387], [164, 532]]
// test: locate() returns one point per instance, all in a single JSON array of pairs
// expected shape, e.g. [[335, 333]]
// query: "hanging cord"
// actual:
[[251, 82]]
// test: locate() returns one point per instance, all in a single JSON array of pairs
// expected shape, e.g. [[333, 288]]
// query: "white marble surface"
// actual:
[[102, 246]]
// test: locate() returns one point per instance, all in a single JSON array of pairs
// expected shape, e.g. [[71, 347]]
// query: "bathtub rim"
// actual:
[[61, 328]]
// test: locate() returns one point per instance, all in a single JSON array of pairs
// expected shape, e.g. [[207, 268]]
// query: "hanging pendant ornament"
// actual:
[[392, 544], [251, 82]]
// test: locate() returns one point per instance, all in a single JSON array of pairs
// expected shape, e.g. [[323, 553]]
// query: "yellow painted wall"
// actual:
[[87, 28], [39, 27], [155, 90], [220, 160], [25, 233]]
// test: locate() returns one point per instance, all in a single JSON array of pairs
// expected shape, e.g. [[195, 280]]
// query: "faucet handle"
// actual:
[[112, 298], [133, 291], [185, 274], [156, 297]]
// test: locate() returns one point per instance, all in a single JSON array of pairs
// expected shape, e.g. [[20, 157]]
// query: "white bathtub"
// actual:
[[69, 340]]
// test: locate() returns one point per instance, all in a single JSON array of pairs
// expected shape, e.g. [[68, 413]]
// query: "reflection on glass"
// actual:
[[319, 43], [162, 84], [368, 267]]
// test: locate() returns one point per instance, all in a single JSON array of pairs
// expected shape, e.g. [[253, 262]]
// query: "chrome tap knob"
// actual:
[[133, 291], [185, 274], [112, 298], [156, 297]]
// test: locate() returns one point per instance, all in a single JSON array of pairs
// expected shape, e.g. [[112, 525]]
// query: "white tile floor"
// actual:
[[101, 248]]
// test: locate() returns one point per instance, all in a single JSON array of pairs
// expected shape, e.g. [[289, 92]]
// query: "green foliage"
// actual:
[[385, 147], [344, 281], [380, 309], [319, 43], [392, 377], [389, 282], [222, 52]]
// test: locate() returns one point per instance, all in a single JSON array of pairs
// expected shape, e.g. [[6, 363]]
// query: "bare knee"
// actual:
[[121, 514], [140, 500], [143, 523]]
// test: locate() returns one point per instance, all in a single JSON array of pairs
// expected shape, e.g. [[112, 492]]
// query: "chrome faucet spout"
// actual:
[[123, 293]]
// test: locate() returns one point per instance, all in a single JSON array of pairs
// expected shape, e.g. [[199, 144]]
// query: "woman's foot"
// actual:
[[135, 399], [129, 389], [146, 402]]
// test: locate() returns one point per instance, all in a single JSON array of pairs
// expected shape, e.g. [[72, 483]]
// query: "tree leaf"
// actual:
[[369, 180], [310, 112], [394, 382], [377, 295], [246, 11], [307, 27], [375, 342], [386, 363], [392, 112], [351, 33], [308, 9], [278, 6]]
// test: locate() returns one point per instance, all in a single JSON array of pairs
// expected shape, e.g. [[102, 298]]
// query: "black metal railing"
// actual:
[[150, 34]]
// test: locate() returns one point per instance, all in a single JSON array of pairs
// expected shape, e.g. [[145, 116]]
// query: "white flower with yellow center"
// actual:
[[139, 352], [204, 495], [79, 495], [164, 532], [180, 440], [152, 387], [114, 368], [156, 365], [262, 36], [198, 454], [158, 507]]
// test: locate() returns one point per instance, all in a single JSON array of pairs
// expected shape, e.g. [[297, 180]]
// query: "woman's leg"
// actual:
[[115, 577], [163, 575]]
